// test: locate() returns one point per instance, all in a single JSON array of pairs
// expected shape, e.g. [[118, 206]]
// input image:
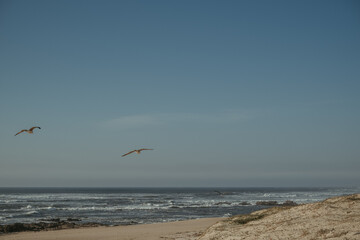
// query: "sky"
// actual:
[[227, 93]]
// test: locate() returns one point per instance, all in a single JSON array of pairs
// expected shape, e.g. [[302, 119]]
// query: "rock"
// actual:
[[267, 203], [16, 227], [289, 203], [73, 220], [54, 224]]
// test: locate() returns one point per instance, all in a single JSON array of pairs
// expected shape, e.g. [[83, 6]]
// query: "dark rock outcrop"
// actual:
[[289, 203], [52, 224], [267, 203]]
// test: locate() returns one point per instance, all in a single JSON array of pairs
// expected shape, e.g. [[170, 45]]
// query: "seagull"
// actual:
[[28, 130], [137, 151]]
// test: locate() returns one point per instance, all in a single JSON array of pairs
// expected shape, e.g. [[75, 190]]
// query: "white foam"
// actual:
[[27, 207], [31, 212]]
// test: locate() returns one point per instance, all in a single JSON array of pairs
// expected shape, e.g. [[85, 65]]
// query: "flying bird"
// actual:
[[28, 130], [137, 151]]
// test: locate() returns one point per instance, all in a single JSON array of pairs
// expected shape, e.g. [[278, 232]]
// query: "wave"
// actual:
[[160, 205], [145, 206], [31, 212]]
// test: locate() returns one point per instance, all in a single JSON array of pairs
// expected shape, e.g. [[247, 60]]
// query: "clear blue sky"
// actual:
[[228, 93]]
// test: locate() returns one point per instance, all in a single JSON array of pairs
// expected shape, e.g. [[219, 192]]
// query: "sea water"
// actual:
[[121, 206]]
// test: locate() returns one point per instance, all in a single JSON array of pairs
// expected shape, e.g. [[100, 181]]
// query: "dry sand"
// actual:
[[335, 218], [181, 230]]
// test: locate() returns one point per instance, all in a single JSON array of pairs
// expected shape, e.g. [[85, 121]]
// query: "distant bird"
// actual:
[[28, 130], [137, 151]]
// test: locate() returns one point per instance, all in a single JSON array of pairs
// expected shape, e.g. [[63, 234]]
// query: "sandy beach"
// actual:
[[333, 218], [189, 230], [336, 218]]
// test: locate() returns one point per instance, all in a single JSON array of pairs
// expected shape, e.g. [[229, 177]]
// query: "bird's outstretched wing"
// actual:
[[145, 149], [128, 153], [20, 131], [34, 128]]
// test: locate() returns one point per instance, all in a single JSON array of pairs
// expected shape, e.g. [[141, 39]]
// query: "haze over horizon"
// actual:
[[227, 93]]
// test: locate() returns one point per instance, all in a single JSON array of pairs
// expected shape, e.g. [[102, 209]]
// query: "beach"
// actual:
[[51, 207], [336, 218], [189, 230], [333, 218]]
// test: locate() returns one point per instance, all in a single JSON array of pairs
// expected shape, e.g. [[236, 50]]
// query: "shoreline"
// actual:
[[187, 229], [75, 223], [332, 218], [335, 218], [119, 206]]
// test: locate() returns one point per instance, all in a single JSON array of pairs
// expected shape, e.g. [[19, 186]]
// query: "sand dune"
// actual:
[[334, 218]]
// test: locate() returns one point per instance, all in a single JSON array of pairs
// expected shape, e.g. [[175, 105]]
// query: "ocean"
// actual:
[[123, 206]]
